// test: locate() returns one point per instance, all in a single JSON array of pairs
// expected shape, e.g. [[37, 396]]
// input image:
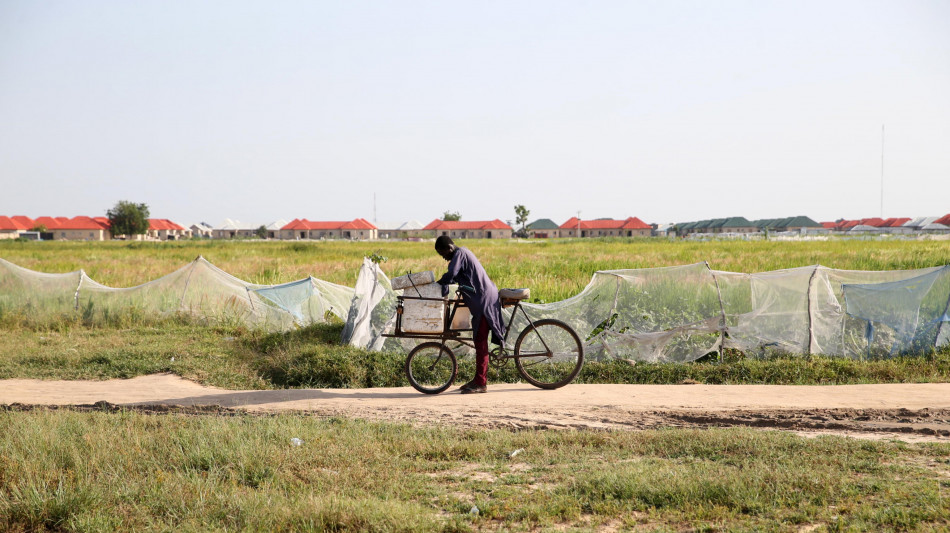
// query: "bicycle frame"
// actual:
[[449, 334]]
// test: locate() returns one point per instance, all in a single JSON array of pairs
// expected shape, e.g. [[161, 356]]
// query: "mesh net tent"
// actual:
[[198, 289], [656, 314], [678, 314], [309, 300], [653, 314], [886, 308], [38, 294]]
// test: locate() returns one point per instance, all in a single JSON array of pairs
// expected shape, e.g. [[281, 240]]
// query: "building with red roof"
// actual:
[[301, 228], [869, 224], [10, 227], [605, 227], [476, 229], [166, 230], [80, 228], [49, 222], [25, 222]]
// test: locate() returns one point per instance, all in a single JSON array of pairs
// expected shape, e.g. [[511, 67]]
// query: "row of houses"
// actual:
[[891, 225], [81, 228], [803, 224], [97, 228], [741, 225], [602, 227]]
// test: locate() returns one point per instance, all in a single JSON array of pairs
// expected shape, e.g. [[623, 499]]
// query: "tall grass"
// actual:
[[553, 269]]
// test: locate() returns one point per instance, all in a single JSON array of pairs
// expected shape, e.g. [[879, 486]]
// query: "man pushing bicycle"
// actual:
[[481, 297]]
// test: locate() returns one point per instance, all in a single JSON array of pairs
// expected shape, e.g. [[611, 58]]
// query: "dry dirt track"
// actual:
[[912, 412]]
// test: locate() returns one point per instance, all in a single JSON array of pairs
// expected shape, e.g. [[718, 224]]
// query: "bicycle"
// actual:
[[547, 353]]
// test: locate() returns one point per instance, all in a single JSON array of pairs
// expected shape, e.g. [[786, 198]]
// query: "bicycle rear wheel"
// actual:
[[431, 367], [549, 354]]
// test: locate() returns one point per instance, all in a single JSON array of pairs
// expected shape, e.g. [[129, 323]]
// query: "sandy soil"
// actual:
[[910, 412]]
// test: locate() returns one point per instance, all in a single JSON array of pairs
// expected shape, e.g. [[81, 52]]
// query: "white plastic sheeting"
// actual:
[[373, 309]]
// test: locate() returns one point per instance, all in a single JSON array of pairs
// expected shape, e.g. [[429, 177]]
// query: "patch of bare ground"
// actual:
[[909, 412], [922, 425]]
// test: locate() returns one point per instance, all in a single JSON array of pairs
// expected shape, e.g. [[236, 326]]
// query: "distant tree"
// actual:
[[128, 218], [41, 228], [521, 217], [451, 216], [261, 232]]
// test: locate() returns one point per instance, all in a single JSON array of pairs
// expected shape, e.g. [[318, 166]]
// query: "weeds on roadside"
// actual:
[[67, 470]]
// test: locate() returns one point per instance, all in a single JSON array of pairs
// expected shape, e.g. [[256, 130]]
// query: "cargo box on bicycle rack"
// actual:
[[423, 315]]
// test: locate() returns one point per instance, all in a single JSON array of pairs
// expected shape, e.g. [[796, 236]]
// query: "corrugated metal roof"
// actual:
[[737, 222], [543, 223]]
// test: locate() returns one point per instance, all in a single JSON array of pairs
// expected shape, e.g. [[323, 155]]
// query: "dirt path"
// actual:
[[912, 412]]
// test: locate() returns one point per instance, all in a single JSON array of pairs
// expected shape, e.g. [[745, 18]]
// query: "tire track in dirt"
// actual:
[[912, 412]]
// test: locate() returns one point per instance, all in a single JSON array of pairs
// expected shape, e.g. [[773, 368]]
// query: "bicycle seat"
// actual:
[[514, 294]]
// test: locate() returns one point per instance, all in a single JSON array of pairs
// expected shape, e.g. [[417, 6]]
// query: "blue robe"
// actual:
[[483, 303]]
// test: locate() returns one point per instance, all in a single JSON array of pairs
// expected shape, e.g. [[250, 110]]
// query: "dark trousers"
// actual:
[[481, 353]]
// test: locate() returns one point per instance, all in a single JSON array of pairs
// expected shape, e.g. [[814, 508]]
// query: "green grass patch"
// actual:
[[238, 358], [62, 470]]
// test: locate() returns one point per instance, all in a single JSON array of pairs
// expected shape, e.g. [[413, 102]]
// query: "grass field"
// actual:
[[68, 470], [106, 471]]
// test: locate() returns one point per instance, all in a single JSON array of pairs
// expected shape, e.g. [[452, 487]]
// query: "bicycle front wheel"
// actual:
[[549, 354], [431, 367]]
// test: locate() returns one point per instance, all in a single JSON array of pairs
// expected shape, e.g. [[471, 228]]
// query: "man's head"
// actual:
[[445, 247]]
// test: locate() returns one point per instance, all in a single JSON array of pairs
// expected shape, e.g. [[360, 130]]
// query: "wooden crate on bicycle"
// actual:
[[421, 316]]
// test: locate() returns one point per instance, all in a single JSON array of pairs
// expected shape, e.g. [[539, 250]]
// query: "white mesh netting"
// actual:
[[657, 314], [678, 314], [198, 289]]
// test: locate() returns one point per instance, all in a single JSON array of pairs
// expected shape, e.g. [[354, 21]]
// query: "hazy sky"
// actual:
[[664, 110]]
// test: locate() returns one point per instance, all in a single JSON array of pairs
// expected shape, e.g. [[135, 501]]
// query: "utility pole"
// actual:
[[578, 222]]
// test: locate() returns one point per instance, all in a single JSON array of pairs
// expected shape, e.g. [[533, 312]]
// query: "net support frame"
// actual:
[[943, 323], [82, 274], [811, 312], [181, 304], [722, 312]]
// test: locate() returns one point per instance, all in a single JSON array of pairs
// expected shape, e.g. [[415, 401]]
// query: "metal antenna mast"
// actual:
[[882, 170]]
